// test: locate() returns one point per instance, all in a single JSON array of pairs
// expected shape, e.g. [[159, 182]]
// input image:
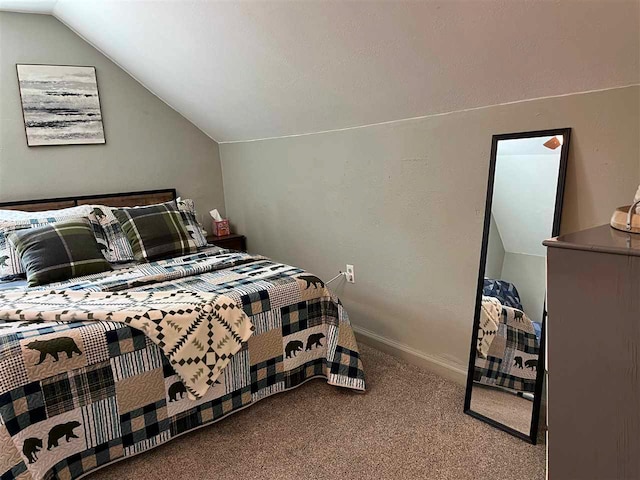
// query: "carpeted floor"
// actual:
[[409, 425], [505, 407]]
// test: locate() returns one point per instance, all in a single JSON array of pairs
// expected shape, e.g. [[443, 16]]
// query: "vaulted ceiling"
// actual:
[[256, 69], [524, 194]]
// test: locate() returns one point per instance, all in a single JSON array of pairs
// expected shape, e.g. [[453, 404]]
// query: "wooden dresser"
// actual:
[[593, 285]]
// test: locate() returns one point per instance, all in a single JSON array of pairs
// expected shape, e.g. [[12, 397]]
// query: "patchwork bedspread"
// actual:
[[490, 312], [79, 394], [511, 358], [197, 332]]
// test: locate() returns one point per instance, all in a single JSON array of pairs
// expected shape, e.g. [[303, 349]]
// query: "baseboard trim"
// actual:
[[411, 355]]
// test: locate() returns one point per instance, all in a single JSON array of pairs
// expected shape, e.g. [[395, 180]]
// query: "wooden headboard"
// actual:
[[129, 199]]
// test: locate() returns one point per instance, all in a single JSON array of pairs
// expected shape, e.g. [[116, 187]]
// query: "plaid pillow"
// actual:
[[187, 209], [12, 220], [58, 251], [155, 231], [119, 246]]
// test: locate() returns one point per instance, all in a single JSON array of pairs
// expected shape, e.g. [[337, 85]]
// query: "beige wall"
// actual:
[[404, 203], [149, 145]]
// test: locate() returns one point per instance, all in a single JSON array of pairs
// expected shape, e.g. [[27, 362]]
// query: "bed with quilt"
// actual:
[[100, 367], [508, 341]]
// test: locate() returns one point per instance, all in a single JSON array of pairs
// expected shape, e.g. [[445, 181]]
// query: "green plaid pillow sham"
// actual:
[[58, 251], [119, 246], [155, 231]]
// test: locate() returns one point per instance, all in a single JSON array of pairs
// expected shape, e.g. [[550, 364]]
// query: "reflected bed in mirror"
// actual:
[[523, 208]]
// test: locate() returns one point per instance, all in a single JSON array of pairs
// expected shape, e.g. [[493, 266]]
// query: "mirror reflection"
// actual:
[[527, 174]]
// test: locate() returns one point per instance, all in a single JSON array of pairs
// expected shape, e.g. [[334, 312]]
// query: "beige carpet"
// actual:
[[505, 407], [409, 425]]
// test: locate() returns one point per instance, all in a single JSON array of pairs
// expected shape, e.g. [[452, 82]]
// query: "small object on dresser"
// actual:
[[221, 228], [220, 225], [627, 218], [232, 241]]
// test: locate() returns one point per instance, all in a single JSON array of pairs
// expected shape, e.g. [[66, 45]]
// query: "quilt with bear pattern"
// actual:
[[78, 394], [510, 359]]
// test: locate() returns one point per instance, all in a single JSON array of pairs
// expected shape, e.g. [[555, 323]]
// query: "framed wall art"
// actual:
[[60, 105]]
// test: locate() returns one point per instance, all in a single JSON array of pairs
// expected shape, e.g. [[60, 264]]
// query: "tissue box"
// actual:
[[221, 228]]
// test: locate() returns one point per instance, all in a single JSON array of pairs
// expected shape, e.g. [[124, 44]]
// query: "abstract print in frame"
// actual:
[[60, 104]]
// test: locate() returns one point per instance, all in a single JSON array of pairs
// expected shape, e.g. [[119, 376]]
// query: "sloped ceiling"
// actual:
[[524, 194], [28, 6], [256, 69]]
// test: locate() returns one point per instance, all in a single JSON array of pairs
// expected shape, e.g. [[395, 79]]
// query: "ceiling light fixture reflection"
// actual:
[[554, 142]]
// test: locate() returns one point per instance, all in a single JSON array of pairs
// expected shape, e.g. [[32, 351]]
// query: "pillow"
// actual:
[[187, 209], [155, 231], [20, 215], [58, 251], [504, 291], [119, 246], [12, 220]]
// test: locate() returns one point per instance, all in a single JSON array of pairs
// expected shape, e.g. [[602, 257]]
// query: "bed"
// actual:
[[78, 394], [508, 341]]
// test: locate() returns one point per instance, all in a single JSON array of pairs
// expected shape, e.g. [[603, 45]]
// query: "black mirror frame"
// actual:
[[562, 173]]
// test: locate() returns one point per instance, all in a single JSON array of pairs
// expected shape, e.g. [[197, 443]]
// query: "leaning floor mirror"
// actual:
[[524, 205]]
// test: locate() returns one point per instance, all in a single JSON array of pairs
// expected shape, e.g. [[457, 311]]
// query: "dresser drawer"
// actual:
[[233, 241]]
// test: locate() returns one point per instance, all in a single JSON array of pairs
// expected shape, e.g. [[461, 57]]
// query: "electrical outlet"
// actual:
[[350, 274]]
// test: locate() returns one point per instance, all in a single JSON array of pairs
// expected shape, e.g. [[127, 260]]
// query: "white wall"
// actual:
[[524, 196], [149, 145], [404, 203], [528, 274], [495, 252], [524, 200]]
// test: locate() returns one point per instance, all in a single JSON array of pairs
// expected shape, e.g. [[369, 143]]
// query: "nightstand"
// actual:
[[232, 241]]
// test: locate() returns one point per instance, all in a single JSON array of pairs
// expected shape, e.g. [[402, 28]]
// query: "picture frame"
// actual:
[[60, 104]]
